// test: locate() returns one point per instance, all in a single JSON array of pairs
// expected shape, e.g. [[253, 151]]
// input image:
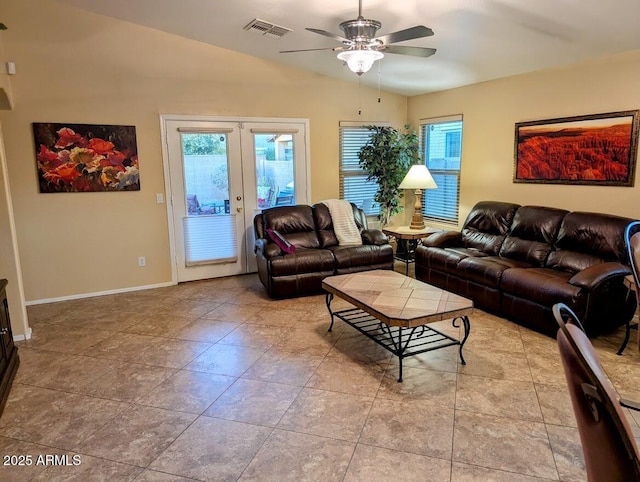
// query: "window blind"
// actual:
[[441, 141]]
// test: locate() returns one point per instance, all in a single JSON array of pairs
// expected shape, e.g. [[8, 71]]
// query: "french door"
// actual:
[[219, 174]]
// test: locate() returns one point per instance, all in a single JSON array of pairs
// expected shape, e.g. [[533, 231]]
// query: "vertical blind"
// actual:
[[354, 186], [441, 141]]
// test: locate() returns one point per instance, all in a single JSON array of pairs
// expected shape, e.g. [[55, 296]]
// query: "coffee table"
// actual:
[[395, 311]]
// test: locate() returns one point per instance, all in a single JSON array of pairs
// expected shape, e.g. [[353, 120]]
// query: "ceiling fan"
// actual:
[[361, 48]]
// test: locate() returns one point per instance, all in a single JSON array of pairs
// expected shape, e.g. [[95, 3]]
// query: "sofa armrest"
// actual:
[[443, 239], [374, 236], [594, 275]]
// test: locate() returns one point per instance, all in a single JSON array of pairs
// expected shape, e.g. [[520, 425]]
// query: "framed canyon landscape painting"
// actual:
[[599, 149], [86, 157]]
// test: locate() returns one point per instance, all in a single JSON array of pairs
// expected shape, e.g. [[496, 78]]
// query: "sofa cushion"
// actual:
[[438, 258], [302, 261], [532, 233], [487, 225], [365, 255], [467, 252], [585, 239], [294, 222], [543, 286], [324, 225], [487, 270]]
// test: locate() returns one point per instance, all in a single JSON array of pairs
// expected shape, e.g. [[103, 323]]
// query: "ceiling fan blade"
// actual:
[[418, 31], [335, 49], [415, 51], [327, 34]]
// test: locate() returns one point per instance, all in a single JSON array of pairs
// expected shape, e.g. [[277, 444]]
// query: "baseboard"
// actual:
[[26, 336], [98, 293]]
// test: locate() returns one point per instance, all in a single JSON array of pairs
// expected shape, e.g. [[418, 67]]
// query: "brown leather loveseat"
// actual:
[[518, 261], [317, 253]]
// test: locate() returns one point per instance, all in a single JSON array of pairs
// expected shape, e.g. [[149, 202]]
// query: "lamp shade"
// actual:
[[360, 61], [418, 177]]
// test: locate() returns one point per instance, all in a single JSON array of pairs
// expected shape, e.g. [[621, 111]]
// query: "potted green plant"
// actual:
[[386, 159]]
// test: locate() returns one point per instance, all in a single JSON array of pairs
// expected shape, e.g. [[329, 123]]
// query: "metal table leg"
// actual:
[[467, 329], [328, 299]]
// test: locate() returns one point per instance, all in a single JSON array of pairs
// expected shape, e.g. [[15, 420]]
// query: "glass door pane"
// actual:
[[275, 176], [209, 234], [206, 173]]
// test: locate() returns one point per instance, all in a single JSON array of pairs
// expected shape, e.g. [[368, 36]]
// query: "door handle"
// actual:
[[239, 210]]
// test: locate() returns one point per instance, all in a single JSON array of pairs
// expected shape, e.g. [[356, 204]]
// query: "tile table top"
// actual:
[[397, 300]]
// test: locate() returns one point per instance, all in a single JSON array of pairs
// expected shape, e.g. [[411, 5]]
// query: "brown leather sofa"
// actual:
[[518, 261], [317, 252]]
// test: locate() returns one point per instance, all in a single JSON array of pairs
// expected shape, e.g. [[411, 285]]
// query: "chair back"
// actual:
[[284, 200], [610, 451], [632, 241]]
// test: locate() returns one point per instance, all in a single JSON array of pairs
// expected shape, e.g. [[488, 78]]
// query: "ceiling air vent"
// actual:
[[267, 28]]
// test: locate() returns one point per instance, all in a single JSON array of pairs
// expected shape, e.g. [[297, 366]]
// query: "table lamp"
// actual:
[[418, 178]]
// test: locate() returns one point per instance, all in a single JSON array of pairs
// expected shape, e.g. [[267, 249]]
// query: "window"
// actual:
[[452, 144], [441, 143], [354, 186]]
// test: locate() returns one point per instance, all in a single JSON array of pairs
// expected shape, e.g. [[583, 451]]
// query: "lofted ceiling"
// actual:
[[476, 40]]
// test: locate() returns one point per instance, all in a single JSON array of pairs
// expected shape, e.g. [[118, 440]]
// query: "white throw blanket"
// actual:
[[343, 223]]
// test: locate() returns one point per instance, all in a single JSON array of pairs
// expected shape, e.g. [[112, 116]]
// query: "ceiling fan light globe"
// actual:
[[360, 61]]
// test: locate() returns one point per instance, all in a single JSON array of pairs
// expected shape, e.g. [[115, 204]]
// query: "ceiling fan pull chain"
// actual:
[[359, 95], [379, 70]]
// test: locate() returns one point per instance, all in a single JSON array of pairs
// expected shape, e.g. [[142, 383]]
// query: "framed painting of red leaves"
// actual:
[[599, 149], [86, 157]]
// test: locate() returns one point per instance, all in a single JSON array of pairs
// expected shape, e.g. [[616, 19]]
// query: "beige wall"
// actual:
[[78, 67], [491, 109]]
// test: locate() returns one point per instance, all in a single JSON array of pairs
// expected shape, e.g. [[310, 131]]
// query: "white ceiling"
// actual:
[[477, 40]]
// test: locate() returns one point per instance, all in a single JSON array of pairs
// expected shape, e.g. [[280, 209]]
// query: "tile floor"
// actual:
[[214, 381]]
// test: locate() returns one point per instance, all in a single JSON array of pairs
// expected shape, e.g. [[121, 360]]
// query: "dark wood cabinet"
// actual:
[[9, 360]]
